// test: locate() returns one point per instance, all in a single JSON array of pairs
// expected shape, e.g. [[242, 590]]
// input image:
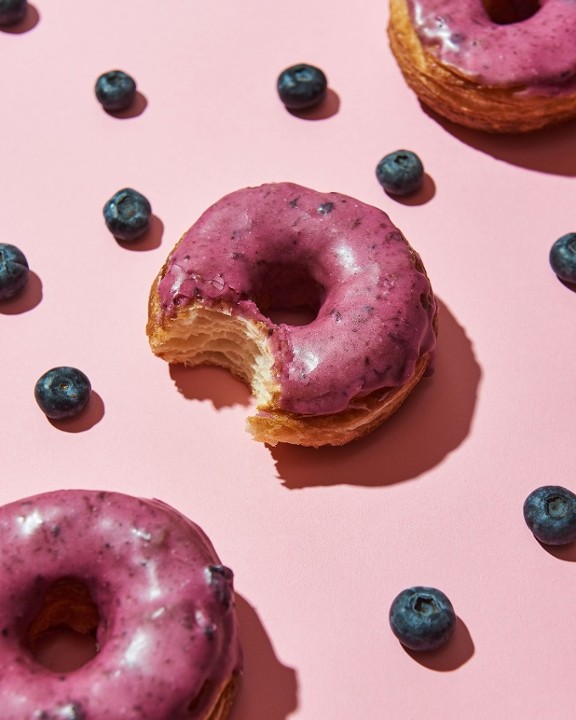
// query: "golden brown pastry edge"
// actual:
[[461, 100], [271, 424]]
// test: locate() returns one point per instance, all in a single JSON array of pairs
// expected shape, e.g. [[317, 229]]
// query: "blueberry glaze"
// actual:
[[167, 631], [536, 55]]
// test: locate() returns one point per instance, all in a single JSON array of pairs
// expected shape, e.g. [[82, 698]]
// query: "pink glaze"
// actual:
[[538, 53], [167, 624], [282, 245]]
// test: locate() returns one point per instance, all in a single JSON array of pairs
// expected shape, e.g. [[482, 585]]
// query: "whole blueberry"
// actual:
[[127, 214], [563, 257], [13, 271], [302, 86], [62, 392], [422, 618], [400, 172], [550, 512], [115, 90], [12, 11]]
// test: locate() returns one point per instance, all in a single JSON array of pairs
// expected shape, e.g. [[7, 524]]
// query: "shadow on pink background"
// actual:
[[210, 383], [561, 552], [28, 22], [434, 420], [90, 416], [138, 106], [326, 109], [151, 240], [451, 656], [26, 300], [268, 690], [421, 197], [437, 417], [551, 150]]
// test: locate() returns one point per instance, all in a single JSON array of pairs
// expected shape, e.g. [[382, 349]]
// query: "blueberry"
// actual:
[[13, 271], [127, 214], [550, 512], [422, 618], [301, 86], [115, 90], [220, 578], [563, 257], [62, 392], [12, 11], [400, 172]]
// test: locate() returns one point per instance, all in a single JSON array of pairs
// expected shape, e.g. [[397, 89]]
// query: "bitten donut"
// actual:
[[494, 65], [139, 576], [281, 246]]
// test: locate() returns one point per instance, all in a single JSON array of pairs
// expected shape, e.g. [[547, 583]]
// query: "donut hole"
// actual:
[[287, 293], [507, 12], [62, 633]]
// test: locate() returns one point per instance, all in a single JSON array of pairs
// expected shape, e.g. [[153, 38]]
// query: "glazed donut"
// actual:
[[141, 577], [281, 246], [495, 65]]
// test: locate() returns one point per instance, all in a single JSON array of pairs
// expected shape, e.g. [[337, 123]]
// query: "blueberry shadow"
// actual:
[[268, 690], [568, 285], [139, 104], [90, 416], [561, 552], [551, 150], [432, 423], [26, 300], [151, 239], [457, 651], [326, 109], [207, 382], [28, 22], [421, 197]]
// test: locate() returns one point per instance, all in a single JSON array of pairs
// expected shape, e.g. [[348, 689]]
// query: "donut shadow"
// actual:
[[551, 150], [28, 22], [151, 239], [208, 382], [139, 104], [326, 109], [26, 300], [432, 423], [457, 651], [268, 690], [90, 416]]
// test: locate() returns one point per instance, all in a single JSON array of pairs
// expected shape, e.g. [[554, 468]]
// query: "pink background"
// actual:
[[320, 541]]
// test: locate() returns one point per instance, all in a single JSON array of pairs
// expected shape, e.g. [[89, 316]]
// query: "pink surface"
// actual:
[[320, 541]]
